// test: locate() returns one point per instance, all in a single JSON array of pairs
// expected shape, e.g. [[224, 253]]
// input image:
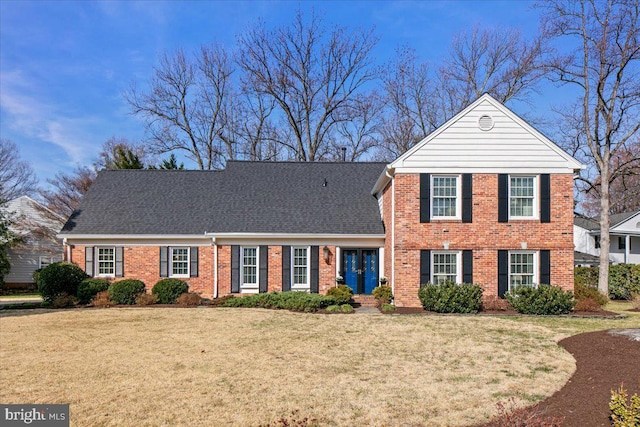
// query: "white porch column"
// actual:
[[627, 248]]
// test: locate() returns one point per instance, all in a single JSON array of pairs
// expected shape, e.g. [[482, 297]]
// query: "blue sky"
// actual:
[[65, 64]]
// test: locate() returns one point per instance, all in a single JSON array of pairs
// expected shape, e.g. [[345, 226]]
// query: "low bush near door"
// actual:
[[341, 293], [450, 297], [544, 299], [168, 290], [382, 294], [89, 288], [125, 291], [294, 301]]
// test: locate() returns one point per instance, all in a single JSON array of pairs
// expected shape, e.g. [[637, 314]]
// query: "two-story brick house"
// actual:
[[484, 199]]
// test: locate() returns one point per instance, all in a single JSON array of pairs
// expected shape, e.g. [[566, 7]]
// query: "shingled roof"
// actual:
[[246, 197]]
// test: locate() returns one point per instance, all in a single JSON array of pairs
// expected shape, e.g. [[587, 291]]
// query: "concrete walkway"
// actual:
[[367, 310], [13, 300], [633, 334]]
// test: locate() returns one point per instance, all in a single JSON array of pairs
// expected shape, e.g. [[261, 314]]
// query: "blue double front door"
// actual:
[[360, 269]]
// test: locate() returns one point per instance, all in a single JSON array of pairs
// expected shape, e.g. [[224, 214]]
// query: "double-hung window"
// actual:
[[249, 269], [445, 197], [522, 197], [179, 262], [106, 265], [300, 268], [445, 266], [522, 269]]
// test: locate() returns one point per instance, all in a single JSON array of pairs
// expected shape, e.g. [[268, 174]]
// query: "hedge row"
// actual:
[[294, 301], [624, 279]]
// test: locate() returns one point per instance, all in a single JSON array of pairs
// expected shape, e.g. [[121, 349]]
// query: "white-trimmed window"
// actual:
[[47, 260], [300, 267], [106, 261], [445, 266], [445, 197], [249, 268], [523, 268], [179, 262], [523, 202]]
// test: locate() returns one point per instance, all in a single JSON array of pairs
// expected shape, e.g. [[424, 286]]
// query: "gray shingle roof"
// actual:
[[246, 197], [594, 224]]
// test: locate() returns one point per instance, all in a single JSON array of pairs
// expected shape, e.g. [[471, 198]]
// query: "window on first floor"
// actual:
[[445, 266], [179, 262], [249, 267], [622, 243], [106, 265], [597, 241], [522, 269], [300, 267]]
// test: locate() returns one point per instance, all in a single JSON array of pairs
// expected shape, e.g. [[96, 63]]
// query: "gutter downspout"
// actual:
[[67, 248], [393, 232], [215, 267]]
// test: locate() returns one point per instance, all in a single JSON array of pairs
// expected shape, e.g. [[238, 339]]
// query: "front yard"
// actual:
[[246, 367]]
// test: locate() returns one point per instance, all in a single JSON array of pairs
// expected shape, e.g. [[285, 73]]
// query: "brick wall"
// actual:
[[485, 236]]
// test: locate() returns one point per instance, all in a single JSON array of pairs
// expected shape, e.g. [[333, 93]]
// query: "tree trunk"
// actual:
[[603, 274]]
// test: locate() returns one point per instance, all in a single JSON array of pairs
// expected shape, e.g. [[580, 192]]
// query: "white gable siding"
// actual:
[[509, 147], [584, 242], [631, 225]]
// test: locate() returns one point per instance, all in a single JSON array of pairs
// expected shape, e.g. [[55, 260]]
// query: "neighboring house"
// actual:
[[484, 199], [624, 235], [37, 228]]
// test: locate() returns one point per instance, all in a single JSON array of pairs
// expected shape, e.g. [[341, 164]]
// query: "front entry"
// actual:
[[360, 269]]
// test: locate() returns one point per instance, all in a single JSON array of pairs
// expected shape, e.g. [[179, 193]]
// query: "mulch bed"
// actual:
[[422, 311], [603, 363]]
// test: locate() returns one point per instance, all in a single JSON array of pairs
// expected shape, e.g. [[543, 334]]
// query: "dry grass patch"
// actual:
[[247, 366]]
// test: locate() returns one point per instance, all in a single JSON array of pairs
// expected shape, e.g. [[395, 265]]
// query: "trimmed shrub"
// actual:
[[341, 293], [333, 309], [102, 299], [388, 308], [624, 413], [220, 300], [346, 308], [589, 292], [451, 298], [64, 301], [168, 290], [146, 299], [543, 300], [587, 304], [586, 276], [624, 279], [292, 300], [88, 288], [59, 279], [126, 291], [382, 294], [189, 299]]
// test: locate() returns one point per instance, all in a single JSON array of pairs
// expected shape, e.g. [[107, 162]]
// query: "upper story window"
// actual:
[[445, 197], [445, 266], [300, 267], [522, 197], [522, 269], [179, 262], [106, 265], [249, 267]]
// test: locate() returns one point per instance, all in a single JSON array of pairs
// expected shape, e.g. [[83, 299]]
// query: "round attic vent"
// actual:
[[485, 123]]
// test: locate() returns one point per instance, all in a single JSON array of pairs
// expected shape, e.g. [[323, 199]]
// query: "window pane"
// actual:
[[445, 267], [444, 196], [521, 269], [522, 196], [249, 266], [300, 266], [106, 261], [180, 261]]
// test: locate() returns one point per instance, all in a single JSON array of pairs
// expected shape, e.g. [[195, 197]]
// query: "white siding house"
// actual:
[[37, 228], [624, 234]]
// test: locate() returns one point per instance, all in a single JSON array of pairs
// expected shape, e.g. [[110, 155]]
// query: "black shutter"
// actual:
[[286, 268], [545, 267], [503, 198], [503, 273], [467, 197], [425, 195], [315, 269], [235, 269], [264, 269], [545, 197], [119, 261], [88, 261], [425, 266], [193, 260], [164, 261], [467, 266]]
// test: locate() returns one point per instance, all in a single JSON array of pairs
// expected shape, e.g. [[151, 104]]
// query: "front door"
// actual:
[[360, 269]]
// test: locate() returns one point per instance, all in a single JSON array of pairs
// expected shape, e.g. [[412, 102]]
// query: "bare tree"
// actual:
[[604, 67], [185, 105], [16, 176], [312, 76], [67, 191]]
